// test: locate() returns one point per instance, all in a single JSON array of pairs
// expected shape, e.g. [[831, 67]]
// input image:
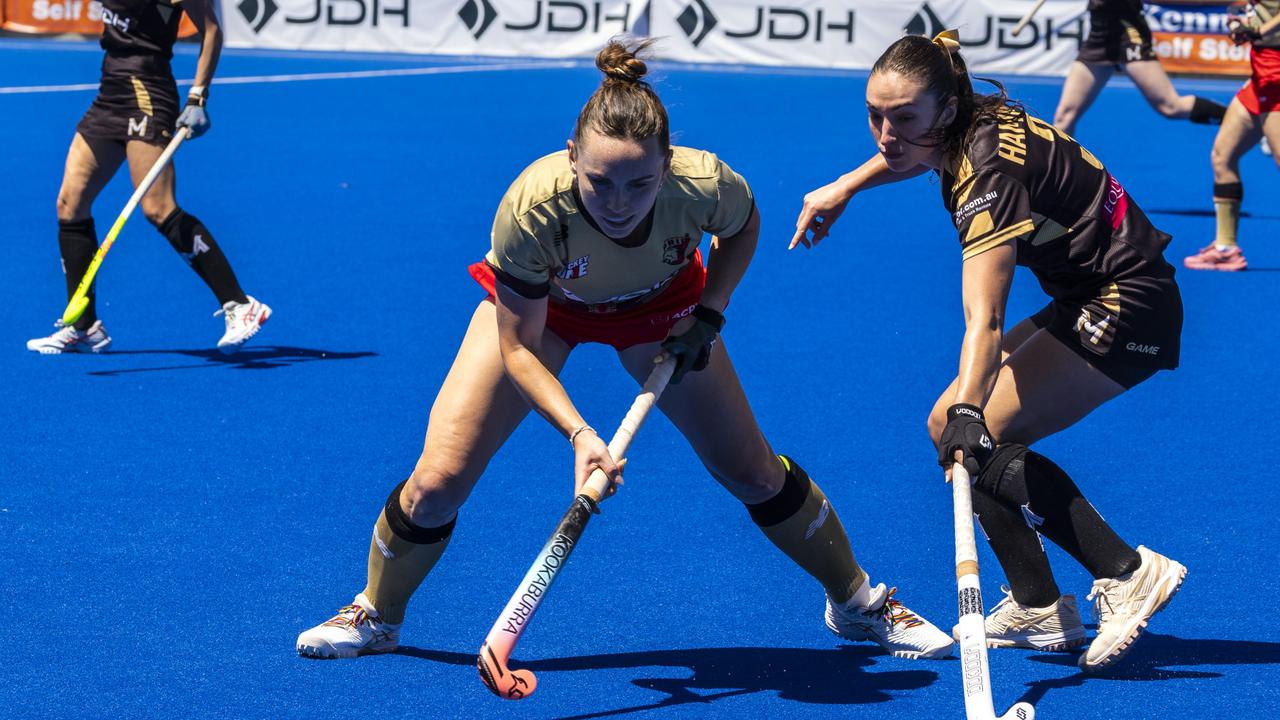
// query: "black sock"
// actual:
[[1030, 484], [196, 245], [1207, 112], [1019, 550], [78, 242]]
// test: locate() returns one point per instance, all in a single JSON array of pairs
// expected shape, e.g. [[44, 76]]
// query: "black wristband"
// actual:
[[197, 100], [708, 316], [972, 411]]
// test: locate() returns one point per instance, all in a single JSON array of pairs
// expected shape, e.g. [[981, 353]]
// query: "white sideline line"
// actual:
[[302, 77]]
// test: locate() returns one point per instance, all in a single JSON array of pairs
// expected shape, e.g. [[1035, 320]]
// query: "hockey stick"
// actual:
[[515, 617], [1022, 24], [978, 704], [80, 300]]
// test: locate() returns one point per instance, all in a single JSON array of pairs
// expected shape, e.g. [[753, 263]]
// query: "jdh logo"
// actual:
[[257, 14], [772, 22], [553, 16], [998, 30]]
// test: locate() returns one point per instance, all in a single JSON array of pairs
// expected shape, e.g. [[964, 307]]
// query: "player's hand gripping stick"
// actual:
[[532, 591], [80, 300]]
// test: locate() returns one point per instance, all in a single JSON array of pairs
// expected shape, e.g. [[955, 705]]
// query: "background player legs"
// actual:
[[1079, 90], [1271, 128], [1153, 81], [475, 411], [90, 165], [185, 232]]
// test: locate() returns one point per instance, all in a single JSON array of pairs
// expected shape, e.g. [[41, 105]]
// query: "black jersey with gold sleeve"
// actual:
[[1021, 180], [140, 27]]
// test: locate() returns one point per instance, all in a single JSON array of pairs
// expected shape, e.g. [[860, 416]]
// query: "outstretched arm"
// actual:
[[823, 206]]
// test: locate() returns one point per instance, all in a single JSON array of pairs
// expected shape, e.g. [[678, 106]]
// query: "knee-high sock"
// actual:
[[1027, 482], [1019, 550], [196, 245], [400, 556], [1227, 198], [78, 242], [801, 522]]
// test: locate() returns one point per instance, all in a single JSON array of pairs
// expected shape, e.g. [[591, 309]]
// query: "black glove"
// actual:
[[1242, 32], [966, 430], [692, 349]]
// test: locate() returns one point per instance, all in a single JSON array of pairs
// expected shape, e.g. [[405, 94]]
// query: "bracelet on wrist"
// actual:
[[574, 435]]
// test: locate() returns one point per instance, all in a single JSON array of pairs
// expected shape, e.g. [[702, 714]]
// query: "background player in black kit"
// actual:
[[1022, 192], [134, 116], [1119, 38]]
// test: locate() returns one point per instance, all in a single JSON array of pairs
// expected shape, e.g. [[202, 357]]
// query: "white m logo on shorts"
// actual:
[[138, 128], [1095, 331]]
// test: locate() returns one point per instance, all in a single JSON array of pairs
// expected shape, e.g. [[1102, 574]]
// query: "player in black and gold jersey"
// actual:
[[1120, 39], [133, 117], [600, 244], [1021, 192]]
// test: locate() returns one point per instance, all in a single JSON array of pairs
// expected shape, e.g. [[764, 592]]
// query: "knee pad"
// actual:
[[1228, 191], [402, 525], [1004, 476]]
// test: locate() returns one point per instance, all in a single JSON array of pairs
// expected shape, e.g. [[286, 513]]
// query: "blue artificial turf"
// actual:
[[171, 518]]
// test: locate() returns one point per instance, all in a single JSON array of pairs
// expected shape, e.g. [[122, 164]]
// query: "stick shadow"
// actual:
[[258, 357], [1155, 657], [844, 675]]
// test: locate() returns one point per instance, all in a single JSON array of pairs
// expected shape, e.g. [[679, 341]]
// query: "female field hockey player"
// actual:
[[1251, 116], [1023, 193], [599, 243], [1120, 39], [133, 119]]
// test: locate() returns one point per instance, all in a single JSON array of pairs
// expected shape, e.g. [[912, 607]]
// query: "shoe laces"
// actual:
[[351, 616], [1105, 600], [894, 612]]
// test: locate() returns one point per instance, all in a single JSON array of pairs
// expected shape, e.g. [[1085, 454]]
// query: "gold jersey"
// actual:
[[543, 242]]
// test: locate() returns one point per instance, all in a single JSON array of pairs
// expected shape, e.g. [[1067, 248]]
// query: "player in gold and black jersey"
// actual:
[[1120, 39], [1022, 192], [601, 244], [132, 119]]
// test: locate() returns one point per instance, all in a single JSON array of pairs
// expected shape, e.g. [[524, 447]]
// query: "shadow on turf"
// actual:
[[261, 357], [830, 677], [1151, 659]]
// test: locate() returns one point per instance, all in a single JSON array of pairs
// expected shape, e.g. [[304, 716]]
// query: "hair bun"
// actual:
[[621, 63]]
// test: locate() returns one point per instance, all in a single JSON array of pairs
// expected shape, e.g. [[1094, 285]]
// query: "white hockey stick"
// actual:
[[978, 704], [1026, 19]]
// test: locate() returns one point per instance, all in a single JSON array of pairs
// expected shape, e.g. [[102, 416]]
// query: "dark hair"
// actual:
[[945, 75], [624, 106]]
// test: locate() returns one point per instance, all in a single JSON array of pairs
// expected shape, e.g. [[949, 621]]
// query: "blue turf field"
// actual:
[[170, 519]]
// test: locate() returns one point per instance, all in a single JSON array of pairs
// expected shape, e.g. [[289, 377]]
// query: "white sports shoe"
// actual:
[[354, 631], [1052, 629], [243, 321], [67, 339], [1125, 604], [890, 624]]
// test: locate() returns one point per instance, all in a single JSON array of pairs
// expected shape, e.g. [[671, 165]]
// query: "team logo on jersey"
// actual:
[[675, 250], [574, 269]]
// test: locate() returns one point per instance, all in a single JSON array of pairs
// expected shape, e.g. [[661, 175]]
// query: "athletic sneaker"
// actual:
[[889, 623], [67, 339], [1125, 604], [1212, 258], [1266, 147], [243, 321], [1052, 629], [354, 631]]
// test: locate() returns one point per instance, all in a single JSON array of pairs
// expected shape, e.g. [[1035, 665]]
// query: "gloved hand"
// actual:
[[194, 116], [966, 431], [692, 348]]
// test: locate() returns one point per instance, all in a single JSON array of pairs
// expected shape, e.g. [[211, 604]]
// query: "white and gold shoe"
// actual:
[[1125, 604]]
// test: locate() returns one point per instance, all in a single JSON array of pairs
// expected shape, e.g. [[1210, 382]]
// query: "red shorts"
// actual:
[[647, 322], [1261, 94]]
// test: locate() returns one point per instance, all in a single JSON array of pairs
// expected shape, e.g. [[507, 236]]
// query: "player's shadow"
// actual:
[[257, 357], [1159, 657], [847, 675]]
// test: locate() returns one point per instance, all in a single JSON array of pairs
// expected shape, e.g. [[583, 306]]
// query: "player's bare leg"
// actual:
[[1240, 131], [474, 413], [1079, 90]]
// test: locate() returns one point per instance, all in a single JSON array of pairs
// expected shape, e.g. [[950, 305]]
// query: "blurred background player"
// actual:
[[1120, 39], [1251, 116], [132, 119], [1022, 192], [600, 244]]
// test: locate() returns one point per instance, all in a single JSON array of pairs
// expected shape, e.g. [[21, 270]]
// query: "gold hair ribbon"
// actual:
[[949, 41]]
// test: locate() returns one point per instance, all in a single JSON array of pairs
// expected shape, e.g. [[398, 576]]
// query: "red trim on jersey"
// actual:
[[644, 323]]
